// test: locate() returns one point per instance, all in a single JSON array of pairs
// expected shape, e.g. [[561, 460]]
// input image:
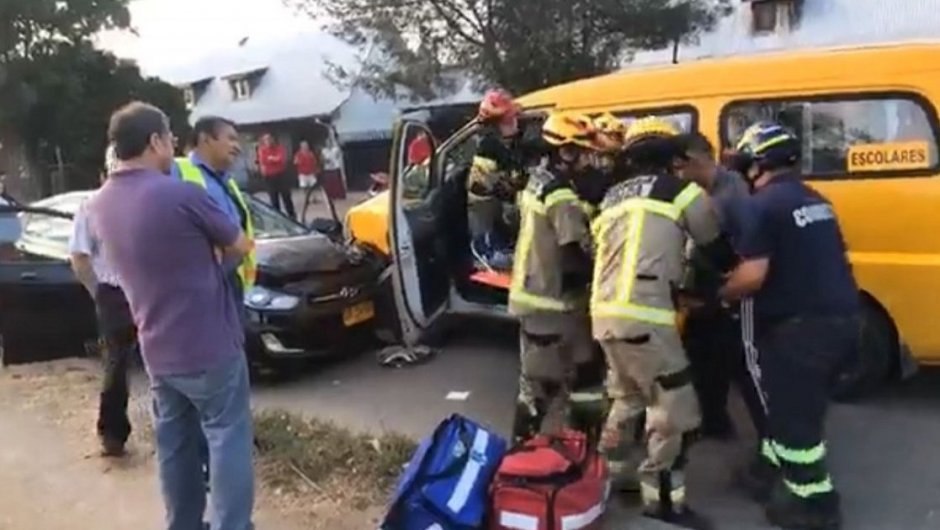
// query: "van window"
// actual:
[[851, 136], [683, 118]]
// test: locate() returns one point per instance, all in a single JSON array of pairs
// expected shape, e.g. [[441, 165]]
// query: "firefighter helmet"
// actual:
[[563, 128], [611, 130], [768, 144], [649, 127], [497, 105]]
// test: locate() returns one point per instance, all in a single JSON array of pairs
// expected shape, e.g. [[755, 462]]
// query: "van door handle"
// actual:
[[29, 276]]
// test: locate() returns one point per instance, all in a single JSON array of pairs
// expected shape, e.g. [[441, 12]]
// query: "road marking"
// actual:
[[457, 396]]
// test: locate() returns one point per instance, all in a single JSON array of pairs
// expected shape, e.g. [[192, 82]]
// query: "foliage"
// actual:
[[58, 91], [29, 27], [521, 45]]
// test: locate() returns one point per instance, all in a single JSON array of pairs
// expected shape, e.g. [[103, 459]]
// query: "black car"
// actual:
[[312, 294]]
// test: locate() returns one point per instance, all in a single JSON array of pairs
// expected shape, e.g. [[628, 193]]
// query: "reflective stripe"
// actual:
[[664, 209], [631, 254], [808, 490], [581, 520], [586, 397], [767, 451], [531, 207], [688, 195], [772, 142], [560, 196], [538, 302], [484, 164], [471, 473], [800, 456], [518, 521], [650, 494], [652, 315]]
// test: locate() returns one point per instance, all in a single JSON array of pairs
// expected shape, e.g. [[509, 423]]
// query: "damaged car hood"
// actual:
[[308, 253]]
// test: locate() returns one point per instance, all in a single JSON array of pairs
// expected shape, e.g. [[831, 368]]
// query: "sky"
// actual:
[[173, 32]]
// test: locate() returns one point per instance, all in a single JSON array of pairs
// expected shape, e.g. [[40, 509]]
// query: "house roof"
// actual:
[[293, 83]]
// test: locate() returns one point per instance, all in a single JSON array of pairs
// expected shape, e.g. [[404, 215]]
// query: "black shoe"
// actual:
[[788, 511], [111, 447], [719, 427], [684, 518], [757, 479]]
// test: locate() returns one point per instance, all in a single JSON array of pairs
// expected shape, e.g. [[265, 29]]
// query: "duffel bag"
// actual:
[[445, 485], [551, 483]]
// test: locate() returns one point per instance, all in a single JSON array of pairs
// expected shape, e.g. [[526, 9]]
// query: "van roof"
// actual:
[[846, 68]]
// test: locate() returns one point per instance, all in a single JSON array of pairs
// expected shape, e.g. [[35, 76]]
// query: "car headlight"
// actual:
[[262, 298]]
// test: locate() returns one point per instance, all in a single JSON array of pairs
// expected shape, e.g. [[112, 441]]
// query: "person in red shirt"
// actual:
[[419, 149], [272, 163]]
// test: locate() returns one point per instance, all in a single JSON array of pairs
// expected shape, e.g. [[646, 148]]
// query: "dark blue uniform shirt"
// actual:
[[796, 229]]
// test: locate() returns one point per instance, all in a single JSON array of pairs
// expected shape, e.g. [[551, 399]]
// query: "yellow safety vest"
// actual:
[[248, 269]]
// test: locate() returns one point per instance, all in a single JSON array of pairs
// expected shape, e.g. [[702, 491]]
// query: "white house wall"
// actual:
[[824, 23]]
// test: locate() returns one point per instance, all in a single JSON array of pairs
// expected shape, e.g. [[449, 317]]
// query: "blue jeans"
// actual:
[[192, 411]]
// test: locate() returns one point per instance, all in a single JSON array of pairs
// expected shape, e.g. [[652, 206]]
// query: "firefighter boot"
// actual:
[[788, 511], [664, 500], [757, 478]]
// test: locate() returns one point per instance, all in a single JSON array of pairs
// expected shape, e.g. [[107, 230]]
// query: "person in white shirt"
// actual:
[[115, 325]]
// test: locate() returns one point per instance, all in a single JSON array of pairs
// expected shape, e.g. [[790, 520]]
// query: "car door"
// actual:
[[45, 313], [421, 276]]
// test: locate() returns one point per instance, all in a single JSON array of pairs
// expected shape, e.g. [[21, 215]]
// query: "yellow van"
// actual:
[[868, 122]]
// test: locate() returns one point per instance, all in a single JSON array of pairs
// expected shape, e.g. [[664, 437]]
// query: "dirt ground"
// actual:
[[52, 478]]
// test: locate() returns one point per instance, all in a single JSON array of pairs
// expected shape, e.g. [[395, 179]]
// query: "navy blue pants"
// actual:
[[799, 359]]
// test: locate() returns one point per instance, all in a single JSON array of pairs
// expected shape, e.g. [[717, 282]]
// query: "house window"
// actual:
[[241, 88], [189, 96], [774, 16]]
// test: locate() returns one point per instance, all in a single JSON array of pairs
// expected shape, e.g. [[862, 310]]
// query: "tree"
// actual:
[[68, 96], [521, 45], [28, 27], [58, 91]]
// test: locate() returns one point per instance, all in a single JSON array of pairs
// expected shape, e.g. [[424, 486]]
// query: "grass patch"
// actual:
[[310, 455]]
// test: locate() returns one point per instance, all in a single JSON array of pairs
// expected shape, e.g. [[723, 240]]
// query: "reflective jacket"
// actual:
[[248, 269], [497, 171], [639, 238], [552, 216]]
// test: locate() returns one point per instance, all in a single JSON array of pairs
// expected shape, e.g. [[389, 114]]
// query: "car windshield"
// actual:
[[272, 224]]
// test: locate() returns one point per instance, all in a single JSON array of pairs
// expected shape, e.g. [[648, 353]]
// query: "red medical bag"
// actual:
[[550, 483]]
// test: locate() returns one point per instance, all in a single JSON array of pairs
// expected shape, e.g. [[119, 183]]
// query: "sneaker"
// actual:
[[787, 511]]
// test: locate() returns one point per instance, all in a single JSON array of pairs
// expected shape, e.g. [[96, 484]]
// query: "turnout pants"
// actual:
[[649, 372], [798, 360], [548, 371], [116, 327]]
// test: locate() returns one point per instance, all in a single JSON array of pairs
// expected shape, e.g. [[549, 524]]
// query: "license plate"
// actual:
[[358, 313]]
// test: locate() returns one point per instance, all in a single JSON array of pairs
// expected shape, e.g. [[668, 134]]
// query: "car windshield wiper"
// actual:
[[22, 208]]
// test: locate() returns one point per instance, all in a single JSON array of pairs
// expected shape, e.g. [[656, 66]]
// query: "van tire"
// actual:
[[877, 355]]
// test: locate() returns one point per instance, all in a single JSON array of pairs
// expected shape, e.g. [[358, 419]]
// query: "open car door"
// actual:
[[421, 278]]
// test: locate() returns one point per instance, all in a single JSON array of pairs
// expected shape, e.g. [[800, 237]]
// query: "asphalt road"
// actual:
[[883, 451]]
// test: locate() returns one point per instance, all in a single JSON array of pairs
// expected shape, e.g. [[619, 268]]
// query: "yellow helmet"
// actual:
[[612, 131], [563, 128], [650, 126]]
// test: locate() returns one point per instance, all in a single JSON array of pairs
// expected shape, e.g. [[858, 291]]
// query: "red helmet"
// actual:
[[497, 105]]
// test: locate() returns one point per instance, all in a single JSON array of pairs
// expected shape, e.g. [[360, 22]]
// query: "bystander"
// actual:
[[163, 238], [115, 325]]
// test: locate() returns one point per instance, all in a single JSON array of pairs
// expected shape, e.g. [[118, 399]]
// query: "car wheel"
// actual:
[[876, 356]]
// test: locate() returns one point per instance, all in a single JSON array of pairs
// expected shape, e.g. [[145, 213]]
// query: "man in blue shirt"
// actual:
[[216, 150], [804, 320]]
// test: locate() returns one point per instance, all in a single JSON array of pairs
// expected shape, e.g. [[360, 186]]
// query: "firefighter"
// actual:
[[802, 318], [496, 176], [551, 275], [639, 238]]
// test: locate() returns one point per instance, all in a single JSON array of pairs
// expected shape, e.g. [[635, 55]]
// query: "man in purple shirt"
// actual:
[[165, 240]]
